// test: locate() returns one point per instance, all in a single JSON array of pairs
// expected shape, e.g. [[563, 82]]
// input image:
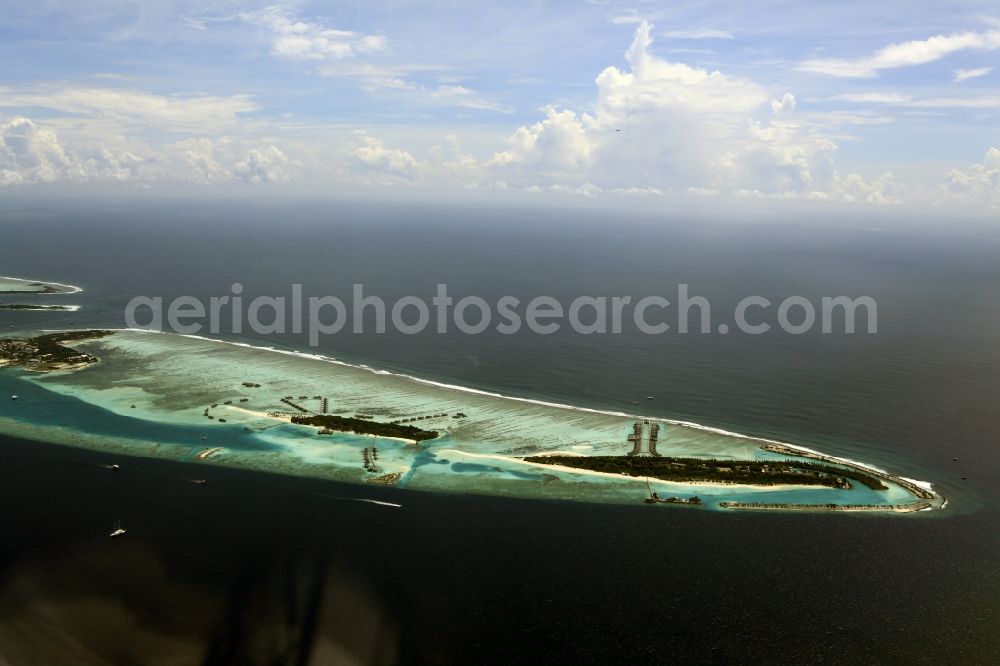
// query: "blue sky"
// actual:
[[878, 103]]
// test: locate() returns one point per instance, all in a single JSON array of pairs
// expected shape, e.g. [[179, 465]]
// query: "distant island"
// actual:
[[42, 308], [13, 285]]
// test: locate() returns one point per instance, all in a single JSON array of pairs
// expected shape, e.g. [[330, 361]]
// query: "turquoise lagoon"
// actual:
[[148, 396]]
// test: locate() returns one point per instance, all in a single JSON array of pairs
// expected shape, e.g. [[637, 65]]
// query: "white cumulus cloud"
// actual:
[[207, 161], [783, 106], [372, 155], [31, 153], [883, 189], [979, 184], [662, 126], [560, 143], [655, 83]]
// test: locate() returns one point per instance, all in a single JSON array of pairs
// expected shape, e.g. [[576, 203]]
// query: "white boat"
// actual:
[[13, 397], [119, 530]]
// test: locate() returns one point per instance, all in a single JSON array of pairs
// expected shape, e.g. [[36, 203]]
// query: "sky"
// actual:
[[880, 104]]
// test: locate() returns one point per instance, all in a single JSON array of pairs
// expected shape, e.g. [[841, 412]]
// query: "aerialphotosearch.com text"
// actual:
[[365, 313]]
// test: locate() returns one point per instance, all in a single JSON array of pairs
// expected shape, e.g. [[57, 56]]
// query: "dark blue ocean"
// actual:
[[256, 568]]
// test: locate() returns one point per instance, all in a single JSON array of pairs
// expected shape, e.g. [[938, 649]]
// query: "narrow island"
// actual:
[[210, 402], [12, 285], [39, 308]]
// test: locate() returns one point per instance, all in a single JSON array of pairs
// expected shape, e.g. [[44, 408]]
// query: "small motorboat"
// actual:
[[13, 397], [114, 468], [118, 531]]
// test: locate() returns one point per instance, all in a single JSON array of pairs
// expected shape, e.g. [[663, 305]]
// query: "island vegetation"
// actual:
[[365, 427], [752, 472], [48, 352]]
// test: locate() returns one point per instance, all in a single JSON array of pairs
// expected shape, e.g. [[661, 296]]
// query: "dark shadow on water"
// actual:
[[251, 568]]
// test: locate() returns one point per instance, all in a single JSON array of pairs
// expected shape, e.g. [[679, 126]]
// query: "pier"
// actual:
[[369, 457], [638, 435], [636, 439], [288, 401], [784, 506], [421, 418]]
